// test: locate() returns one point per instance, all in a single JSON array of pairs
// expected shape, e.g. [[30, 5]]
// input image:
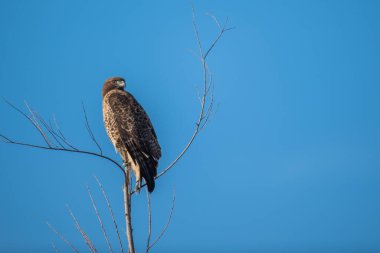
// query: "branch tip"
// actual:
[[167, 223], [111, 212], [62, 238], [99, 219]]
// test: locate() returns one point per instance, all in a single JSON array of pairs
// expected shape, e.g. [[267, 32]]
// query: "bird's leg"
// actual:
[[138, 180], [138, 186], [127, 165]]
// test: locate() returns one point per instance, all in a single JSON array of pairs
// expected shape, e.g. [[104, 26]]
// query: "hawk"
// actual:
[[130, 131]]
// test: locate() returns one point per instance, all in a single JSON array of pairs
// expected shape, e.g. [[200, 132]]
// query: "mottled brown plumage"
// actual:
[[130, 131]]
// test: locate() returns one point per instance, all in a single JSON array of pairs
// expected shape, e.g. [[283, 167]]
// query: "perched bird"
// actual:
[[130, 131]]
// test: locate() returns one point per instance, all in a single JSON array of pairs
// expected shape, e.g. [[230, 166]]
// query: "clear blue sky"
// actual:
[[290, 162]]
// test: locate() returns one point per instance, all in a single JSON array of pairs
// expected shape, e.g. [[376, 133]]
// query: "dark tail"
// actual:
[[149, 172]]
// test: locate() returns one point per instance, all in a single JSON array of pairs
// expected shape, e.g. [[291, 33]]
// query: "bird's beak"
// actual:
[[121, 84]]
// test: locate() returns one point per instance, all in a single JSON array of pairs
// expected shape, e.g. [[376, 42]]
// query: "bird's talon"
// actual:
[[138, 186]]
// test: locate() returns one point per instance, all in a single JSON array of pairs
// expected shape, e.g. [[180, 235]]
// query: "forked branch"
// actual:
[[48, 132], [207, 98], [166, 225]]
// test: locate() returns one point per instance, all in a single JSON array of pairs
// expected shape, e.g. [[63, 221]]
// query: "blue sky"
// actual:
[[289, 163]]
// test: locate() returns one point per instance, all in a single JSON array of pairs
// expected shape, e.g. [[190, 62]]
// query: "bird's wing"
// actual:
[[136, 131]]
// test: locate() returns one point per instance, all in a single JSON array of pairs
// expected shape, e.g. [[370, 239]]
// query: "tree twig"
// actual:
[[111, 213], [62, 238], [49, 129], [10, 141], [34, 121], [88, 127], [87, 239], [55, 247], [167, 223], [60, 134], [99, 219]]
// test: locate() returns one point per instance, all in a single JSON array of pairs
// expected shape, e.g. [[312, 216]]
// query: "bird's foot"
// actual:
[[138, 186]]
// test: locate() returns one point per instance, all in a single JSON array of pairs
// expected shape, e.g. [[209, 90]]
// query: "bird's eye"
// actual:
[[114, 82]]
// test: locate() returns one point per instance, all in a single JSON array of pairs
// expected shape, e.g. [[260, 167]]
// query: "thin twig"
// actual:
[[50, 147], [9, 141], [167, 223], [49, 129], [215, 19], [99, 219], [211, 81], [209, 110], [55, 247], [198, 95], [5, 139], [88, 127], [87, 239], [149, 222], [37, 126], [111, 213], [60, 134], [30, 119], [62, 238]]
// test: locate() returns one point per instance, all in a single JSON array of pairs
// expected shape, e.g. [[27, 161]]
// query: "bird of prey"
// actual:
[[130, 131]]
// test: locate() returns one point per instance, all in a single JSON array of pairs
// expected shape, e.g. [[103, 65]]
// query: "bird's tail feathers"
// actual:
[[149, 172]]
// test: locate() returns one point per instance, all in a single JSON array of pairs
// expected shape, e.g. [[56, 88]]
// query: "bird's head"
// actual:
[[113, 83]]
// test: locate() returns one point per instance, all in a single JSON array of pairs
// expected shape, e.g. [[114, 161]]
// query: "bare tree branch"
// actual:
[[215, 19], [209, 109], [88, 127], [37, 126], [34, 118], [99, 219], [204, 113], [205, 85], [55, 248], [62, 238], [7, 140], [127, 208], [149, 222], [60, 134], [30, 119], [111, 213], [167, 223], [87, 239], [221, 32], [49, 129]]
